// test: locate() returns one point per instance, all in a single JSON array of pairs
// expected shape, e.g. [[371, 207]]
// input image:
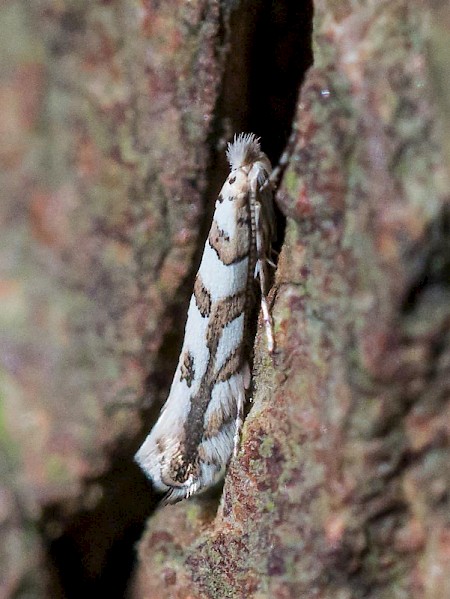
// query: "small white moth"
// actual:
[[190, 445]]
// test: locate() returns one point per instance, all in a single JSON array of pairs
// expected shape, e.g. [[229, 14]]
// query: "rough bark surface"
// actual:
[[106, 169], [115, 116], [341, 488]]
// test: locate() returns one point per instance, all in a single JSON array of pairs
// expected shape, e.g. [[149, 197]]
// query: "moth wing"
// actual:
[[162, 444]]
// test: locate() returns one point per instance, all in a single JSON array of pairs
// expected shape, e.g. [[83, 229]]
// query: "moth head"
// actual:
[[244, 150]]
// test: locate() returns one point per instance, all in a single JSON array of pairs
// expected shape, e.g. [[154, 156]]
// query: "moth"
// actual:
[[199, 427]]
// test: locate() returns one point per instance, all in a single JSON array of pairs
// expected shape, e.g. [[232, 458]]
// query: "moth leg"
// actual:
[[239, 423], [274, 254], [261, 274], [240, 402], [267, 324]]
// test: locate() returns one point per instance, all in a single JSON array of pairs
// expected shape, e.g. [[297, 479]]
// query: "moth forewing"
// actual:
[[194, 437]]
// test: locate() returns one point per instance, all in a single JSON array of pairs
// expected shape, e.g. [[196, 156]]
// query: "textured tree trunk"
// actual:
[[115, 116]]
